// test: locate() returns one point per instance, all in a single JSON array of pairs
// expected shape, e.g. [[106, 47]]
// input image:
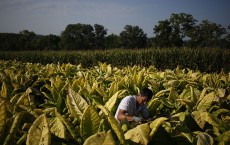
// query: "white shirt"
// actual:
[[129, 105]]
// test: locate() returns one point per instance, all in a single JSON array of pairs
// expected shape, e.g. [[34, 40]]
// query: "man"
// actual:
[[133, 108]]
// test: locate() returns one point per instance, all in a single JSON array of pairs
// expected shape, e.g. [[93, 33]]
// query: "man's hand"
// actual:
[[137, 119]]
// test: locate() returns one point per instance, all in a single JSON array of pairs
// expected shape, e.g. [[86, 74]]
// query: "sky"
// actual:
[[52, 16]]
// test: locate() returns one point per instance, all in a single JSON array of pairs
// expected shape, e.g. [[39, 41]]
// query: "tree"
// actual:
[[48, 42], [27, 40], [163, 33], [112, 41], [78, 36], [172, 32], [227, 38], [9, 41], [133, 37], [100, 33], [208, 34]]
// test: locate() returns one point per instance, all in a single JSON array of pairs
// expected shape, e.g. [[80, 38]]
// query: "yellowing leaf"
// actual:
[[139, 134], [156, 124], [101, 138], [57, 127], [110, 104], [39, 132], [224, 139], [221, 92], [198, 118], [2, 116], [4, 90], [114, 124], [206, 102], [76, 104]]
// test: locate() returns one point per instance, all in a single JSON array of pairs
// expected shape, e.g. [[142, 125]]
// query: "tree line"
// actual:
[[180, 30]]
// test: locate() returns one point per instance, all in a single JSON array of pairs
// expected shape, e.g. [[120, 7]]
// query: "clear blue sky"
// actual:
[[52, 16]]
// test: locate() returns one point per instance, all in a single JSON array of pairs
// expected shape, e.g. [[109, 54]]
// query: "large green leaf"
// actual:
[[101, 138], [153, 105], [114, 124], [206, 102], [172, 95], [90, 122], [76, 104], [204, 139], [214, 121], [139, 134], [156, 124], [39, 132], [57, 127], [204, 117], [68, 125], [110, 104]]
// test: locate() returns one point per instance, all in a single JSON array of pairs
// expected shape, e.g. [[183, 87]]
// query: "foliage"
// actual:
[[133, 37], [205, 60], [179, 30], [69, 104]]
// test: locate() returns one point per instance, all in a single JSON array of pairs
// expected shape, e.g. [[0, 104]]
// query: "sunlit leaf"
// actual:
[[101, 138], [156, 124], [39, 132], [3, 90], [76, 104], [3, 116], [198, 118], [110, 104], [206, 102], [57, 127], [114, 124], [139, 134]]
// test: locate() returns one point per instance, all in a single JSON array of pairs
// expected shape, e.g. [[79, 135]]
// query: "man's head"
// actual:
[[144, 96]]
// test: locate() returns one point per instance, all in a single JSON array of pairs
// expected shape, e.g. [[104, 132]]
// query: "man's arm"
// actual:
[[122, 114]]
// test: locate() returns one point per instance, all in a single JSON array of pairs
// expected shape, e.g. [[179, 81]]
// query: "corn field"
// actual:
[[203, 59]]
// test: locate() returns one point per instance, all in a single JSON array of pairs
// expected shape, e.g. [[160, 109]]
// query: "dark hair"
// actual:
[[146, 93]]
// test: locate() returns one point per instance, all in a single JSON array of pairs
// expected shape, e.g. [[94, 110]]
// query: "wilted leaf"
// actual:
[[198, 118], [101, 138], [39, 132], [139, 134], [204, 139], [57, 127]]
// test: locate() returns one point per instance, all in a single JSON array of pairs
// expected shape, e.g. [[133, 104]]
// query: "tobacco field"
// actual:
[[66, 104]]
